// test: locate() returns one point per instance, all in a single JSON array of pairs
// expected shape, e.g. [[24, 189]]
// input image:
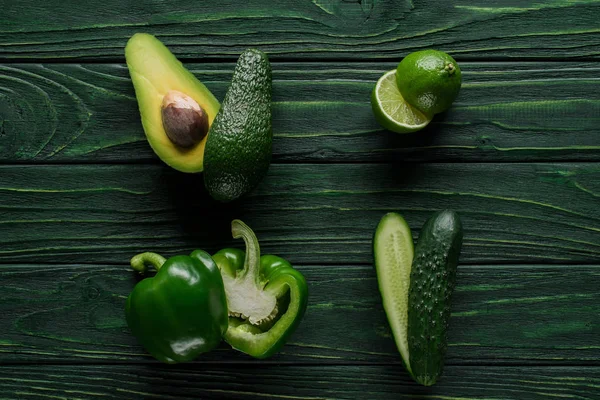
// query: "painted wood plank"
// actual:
[[297, 382], [376, 29], [505, 112], [501, 315], [309, 213]]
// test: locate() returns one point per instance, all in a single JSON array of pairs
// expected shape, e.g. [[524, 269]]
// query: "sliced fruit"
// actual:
[[176, 108], [429, 80], [238, 150], [391, 110], [393, 251]]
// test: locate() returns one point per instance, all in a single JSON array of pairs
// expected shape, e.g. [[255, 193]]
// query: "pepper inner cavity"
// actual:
[[242, 324], [248, 301]]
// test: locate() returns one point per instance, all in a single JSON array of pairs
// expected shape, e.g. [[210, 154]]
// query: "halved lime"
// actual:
[[391, 110]]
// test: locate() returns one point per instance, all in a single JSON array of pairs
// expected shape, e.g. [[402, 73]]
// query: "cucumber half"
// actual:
[[393, 250], [431, 286]]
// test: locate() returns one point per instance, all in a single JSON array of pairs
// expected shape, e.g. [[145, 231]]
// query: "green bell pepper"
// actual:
[[266, 297], [182, 311]]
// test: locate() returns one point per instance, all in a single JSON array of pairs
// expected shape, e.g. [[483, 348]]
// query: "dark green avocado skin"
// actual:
[[239, 145], [432, 281]]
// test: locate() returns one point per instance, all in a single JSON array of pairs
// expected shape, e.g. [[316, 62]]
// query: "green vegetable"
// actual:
[[266, 297], [393, 251], [432, 281], [182, 311], [416, 287], [238, 149]]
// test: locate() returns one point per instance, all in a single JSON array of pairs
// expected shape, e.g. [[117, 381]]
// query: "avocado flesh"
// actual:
[[238, 150], [155, 71]]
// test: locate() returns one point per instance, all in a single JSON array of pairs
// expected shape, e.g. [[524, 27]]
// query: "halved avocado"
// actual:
[[155, 72]]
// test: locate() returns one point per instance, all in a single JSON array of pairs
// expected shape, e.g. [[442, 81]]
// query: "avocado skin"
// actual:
[[432, 281], [239, 146]]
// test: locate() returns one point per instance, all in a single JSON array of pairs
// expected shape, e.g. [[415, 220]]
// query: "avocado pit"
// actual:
[[184, 121]]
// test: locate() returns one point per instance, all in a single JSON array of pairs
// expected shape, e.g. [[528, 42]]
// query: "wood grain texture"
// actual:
[[501, 315], [309, 213], [297, 382], [505, 112], [517, 156], [330, 29]]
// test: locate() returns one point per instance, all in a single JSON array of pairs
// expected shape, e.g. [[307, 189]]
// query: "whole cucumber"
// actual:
[[432, 280]]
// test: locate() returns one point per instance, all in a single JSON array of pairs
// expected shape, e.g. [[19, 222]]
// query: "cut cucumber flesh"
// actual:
[[393, 251]]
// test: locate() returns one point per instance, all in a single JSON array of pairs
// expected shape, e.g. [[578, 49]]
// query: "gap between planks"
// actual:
[[300, 60], [251, 363], [531, 160], [480, 265]]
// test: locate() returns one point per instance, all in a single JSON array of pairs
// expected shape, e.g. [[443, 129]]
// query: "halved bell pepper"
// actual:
[[266, 297], [182, 311]]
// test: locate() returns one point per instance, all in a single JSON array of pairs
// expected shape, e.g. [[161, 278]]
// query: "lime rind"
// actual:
[[391, 110], [429, 80]]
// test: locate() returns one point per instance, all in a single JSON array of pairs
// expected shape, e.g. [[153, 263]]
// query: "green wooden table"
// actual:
[[517, 156]]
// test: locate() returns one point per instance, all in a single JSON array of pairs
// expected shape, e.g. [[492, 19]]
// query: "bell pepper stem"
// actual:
[[141, 262], [252, 259]]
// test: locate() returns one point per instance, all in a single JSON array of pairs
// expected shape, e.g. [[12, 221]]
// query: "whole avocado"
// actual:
[[238, 150]]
